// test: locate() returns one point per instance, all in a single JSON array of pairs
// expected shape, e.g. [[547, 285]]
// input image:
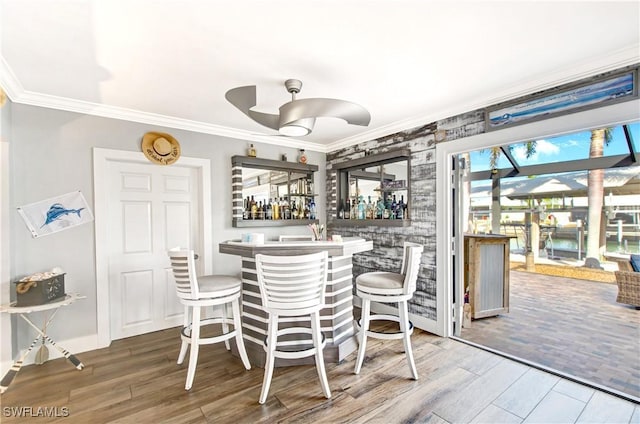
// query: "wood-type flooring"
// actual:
[[136, 380]]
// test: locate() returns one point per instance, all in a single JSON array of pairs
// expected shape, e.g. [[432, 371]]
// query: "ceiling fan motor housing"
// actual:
[[293, 85]]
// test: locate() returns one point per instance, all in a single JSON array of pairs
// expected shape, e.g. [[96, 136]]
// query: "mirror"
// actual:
[[268, 192], [375, 187]]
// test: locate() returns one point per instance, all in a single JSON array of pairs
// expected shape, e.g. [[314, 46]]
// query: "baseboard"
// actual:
[[4, 367]]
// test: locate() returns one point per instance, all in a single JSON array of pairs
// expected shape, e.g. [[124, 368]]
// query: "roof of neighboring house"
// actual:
[[617, 181]]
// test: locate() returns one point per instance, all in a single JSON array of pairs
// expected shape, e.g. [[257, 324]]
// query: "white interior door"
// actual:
[[151, 209]]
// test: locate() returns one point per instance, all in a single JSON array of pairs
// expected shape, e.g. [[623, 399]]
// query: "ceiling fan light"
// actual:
[[294, 130], [298, 128]]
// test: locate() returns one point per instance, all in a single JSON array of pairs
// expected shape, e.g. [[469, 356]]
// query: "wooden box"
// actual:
[[30, 293], [486, 273]]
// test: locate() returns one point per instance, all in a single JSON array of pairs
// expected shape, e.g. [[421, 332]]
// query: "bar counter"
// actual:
[[337, 315]]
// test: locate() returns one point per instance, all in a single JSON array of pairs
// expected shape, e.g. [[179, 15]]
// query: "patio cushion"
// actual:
[[635, 262]]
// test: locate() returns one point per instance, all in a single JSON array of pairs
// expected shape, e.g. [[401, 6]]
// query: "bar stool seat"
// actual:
[[218, 285], [195, 293], [381, 282], [389, 287]]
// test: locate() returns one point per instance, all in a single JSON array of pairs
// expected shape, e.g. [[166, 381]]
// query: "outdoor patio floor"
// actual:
[[572, 326]]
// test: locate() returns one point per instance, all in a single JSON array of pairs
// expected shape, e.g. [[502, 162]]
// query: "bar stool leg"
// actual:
[[403, 311], [185, 344], [362, 336], [237, 323], [317, 342], [195, 346], [225, 326], [272, 340]]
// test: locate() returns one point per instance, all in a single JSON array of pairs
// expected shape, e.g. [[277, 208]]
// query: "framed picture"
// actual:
[[56, 214], [606, 90]]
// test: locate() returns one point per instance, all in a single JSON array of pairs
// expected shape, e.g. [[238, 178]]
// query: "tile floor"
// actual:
[[572, 326]]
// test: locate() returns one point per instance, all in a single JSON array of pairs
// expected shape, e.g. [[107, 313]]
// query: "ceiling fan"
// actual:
[[297, 117]]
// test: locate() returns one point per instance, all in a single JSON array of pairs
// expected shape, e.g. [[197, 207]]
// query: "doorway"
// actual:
[[450, 248], [141, 211]]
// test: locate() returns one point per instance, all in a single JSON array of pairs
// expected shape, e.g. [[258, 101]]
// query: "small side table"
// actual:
[[24, 311]]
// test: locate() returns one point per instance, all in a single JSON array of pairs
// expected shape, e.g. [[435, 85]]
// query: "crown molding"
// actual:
[[609, 62], [19, 95], [614, 60], [9, 81]]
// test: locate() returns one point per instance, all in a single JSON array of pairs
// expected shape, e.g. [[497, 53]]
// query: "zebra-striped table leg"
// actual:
[[13, 371], [75, 361], [71, 357]]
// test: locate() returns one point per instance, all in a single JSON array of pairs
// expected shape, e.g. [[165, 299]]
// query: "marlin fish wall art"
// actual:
[[57, 211], [55, 214]]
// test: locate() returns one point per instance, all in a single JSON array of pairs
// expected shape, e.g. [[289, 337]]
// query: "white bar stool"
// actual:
[[293, 286], [195, 293], [389, 287]]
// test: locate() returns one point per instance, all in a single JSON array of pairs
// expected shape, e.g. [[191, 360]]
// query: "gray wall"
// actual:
[[52, 154], [387, 241]]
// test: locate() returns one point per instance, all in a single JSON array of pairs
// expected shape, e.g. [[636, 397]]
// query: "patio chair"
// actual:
[[628, 280]]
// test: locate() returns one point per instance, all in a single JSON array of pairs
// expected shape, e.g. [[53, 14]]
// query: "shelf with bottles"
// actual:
[[376, 189], [265, 192], [361, 212]]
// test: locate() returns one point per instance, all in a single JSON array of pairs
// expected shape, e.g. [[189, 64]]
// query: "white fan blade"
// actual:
[[244, 98]]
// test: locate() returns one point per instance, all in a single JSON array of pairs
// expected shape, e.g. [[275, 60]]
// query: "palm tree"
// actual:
[[595, 192], [494, 156]]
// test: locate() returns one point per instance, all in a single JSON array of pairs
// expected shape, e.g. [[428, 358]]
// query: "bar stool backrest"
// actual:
[[184, 273], [292, 285], [411, 265]]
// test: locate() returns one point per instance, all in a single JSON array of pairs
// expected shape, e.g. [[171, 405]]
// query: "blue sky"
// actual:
[[560, 149]]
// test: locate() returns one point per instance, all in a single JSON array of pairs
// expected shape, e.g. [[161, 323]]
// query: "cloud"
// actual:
[[571, 143], [543, 148]]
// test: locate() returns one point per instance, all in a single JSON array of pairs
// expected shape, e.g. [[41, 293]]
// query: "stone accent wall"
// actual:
[[387, 241]]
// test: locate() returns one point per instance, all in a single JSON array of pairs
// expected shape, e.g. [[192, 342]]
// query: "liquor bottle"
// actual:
[[307, 211], [286, 209], [354, 209], [341, 210], [260, 214], [347, 209], [361, 209], [276, 208], [386, 214], [302, 157], [251, 151], [394, 208], [400, 208], [294, 210], [269, 214], [246, 211], [380, 209], [254, 208], [312, 209]]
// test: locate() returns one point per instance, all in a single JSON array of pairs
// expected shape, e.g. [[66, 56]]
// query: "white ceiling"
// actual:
[[409, 62]]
